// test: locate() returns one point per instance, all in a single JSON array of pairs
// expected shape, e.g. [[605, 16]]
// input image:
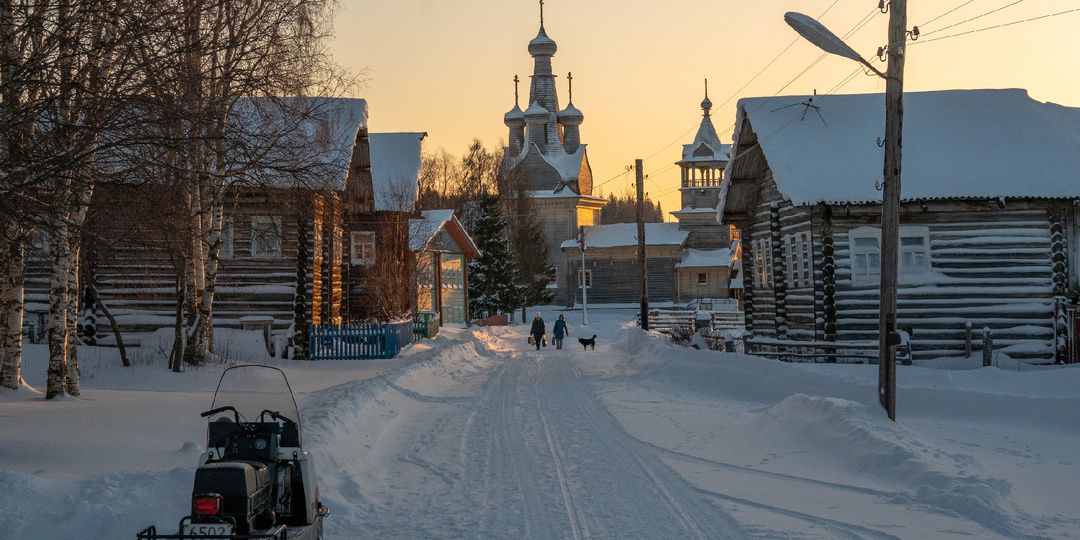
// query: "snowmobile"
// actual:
[[254, 480]]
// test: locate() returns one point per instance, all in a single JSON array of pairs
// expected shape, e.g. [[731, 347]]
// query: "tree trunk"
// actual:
[[58, 297], [11, 303]]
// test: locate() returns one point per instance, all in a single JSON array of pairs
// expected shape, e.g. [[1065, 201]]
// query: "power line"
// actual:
[[931, 21], [973, 18], [1047, 16], [752, 79]]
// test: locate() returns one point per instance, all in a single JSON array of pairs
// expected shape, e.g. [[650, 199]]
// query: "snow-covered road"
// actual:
[[476, 435], [520, 447]]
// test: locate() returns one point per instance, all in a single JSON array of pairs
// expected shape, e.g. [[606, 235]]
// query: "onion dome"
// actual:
[[514, 118], [542, 45], [536, 114], [571, 115], [706, 105]]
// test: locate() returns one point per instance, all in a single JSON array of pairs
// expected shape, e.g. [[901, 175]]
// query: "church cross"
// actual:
[[570, 82], [516, 89]]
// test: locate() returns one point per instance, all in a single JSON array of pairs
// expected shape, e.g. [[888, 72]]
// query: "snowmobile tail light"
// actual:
[[206, 505]]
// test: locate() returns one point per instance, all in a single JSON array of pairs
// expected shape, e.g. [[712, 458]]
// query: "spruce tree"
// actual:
[[493, 275]]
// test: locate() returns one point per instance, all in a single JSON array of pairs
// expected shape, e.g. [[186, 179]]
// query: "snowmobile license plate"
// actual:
[[207, 529]]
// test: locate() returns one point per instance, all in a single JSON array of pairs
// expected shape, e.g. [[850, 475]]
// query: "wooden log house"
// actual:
[[291, 255], [989, 234]]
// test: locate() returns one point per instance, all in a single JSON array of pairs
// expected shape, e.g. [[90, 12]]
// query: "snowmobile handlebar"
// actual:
[[274, 415], [212, 412]]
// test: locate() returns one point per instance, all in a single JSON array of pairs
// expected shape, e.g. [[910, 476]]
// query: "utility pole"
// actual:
[[890, 206], [584, 292], [642, 273]]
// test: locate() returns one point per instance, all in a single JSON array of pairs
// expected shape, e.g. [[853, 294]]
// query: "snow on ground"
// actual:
[[475, 434]]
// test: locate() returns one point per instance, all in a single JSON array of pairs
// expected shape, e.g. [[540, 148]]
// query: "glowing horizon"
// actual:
[[639, 68]]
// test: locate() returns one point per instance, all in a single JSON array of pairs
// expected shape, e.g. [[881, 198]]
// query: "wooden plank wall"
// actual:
[[136, 271], [991, 266]]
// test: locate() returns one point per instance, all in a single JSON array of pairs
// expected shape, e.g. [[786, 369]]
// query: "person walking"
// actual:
[[558, 332], [538, 330]]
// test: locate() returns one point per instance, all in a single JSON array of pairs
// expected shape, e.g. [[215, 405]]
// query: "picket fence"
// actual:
[[358, 341]]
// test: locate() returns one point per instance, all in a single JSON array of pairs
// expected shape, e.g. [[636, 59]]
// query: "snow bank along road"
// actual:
[[512, 443], [488, 438], [476, 435]]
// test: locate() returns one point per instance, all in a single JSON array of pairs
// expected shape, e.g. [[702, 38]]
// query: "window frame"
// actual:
[[703, 279], [922, 233], [367, 241], [257, 232], [873, 274], [227, 240], [588, 280], [873, 257]]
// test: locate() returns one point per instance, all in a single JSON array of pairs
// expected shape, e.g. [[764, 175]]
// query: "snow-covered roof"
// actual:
[[704, 258], [395, 169], [625, 234], [314, 135], [423, 229], [706, 145], [956, 144]]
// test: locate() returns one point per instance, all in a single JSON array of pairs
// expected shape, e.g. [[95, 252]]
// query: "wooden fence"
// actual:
[[821, 351], [358, 341], [426, 326], [494, 320], [664, 320]]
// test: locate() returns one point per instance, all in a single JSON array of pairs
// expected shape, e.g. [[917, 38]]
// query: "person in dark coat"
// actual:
[[558, 332], [538, 330]]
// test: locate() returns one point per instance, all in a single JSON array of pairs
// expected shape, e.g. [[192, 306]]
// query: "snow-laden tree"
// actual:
[[493, 275]]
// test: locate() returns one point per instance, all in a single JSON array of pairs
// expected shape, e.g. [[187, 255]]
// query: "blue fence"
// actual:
[[358, 341]]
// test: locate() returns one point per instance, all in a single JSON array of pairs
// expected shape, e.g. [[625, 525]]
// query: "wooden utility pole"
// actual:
[[584, 289], [642, 273], [890, 206]]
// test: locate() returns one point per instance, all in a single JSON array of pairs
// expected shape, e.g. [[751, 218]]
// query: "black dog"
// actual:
[[586, 343]]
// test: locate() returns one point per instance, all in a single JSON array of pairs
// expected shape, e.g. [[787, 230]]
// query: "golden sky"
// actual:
[[447, 68]]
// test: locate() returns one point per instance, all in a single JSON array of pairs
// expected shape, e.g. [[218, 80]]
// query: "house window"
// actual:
[[265, 236], [792, 253], [807, 259], [363, 248], [762, 261], [914, 250], [865, 245], [554, 284], [797, 249], [225, 245], [866, 253], [702, 278], [588, 278]]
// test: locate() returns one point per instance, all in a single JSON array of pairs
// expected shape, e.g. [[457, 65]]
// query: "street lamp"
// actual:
[[817, 34]]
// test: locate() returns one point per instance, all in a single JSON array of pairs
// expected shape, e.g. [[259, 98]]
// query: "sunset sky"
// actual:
[[447, 68]]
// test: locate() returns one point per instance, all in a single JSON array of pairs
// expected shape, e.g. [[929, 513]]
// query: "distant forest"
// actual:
[[623, 209]]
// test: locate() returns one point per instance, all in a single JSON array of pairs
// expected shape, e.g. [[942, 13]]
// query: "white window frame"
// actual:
[[763, 260], [807, 258], [228, 239], [362, 248], [914, 258], [870, 255], [792, 266], [588, 279], [260, 233], [906, 266]]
